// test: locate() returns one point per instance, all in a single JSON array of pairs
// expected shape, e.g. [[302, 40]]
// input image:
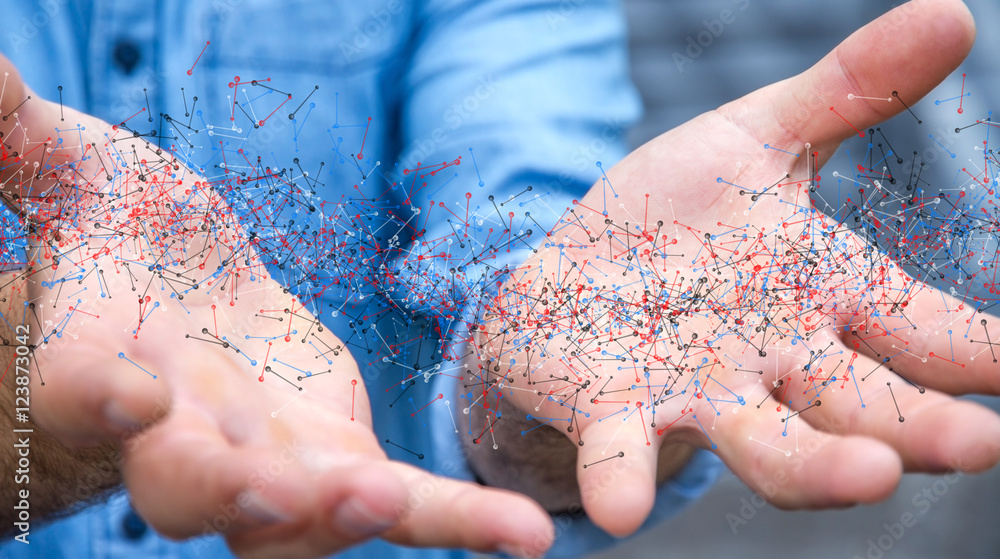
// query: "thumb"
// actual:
[[909, 50], [25, 119], [37, 165], [616, 469], [14, 92], [92, 396]]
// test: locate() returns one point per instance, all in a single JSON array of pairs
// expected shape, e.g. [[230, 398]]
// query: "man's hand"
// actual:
[[155, 324], [696, 296]]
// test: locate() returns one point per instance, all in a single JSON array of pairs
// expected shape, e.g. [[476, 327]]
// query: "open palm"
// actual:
[[696, 296], [157, 324]]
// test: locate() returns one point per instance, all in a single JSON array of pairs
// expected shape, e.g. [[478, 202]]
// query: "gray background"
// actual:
[[769, 41]]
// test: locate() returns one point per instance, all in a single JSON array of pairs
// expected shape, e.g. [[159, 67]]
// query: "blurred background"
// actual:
[[767, 41]]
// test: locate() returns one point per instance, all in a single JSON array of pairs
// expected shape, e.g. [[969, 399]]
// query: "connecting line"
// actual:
[[620, 454], [702, 427], [548, 421], [121, 355]]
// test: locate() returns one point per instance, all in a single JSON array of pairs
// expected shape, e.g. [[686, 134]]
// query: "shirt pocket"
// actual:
[[336, 59]]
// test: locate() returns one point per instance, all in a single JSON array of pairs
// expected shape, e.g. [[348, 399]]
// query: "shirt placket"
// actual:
[[122, 54]]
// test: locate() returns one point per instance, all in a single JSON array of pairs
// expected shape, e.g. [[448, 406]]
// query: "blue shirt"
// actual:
[[529, 93]]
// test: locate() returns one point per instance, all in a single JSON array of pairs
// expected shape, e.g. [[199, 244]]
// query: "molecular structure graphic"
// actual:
[[610, 308]]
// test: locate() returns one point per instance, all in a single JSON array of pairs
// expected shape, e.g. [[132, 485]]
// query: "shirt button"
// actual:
[[133, 525], [126, 55]]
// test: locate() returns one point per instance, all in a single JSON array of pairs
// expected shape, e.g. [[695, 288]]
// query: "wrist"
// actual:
[[521, 455], [46, 477]]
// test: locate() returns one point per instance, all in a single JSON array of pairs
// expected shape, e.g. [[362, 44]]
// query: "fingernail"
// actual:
[[260, 509], [355, 518], [119, 417]]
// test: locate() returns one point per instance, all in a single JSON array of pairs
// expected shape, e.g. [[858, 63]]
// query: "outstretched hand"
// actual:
[[156, 324], [695, 295]]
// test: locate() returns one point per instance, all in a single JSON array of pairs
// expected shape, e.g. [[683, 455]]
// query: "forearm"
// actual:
[[42, 478]]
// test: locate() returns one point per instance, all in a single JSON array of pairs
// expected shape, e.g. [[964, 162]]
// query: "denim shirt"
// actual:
[[528, 92]]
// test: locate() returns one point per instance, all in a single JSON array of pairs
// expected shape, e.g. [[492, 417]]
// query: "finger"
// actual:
[[14, 92], [908, 50], [357, 501], [95, 396], [797, 466], [433, 512], [930, 431], [186, 479], [616, 469], [928, 336], [21, 110], [442, 512]]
